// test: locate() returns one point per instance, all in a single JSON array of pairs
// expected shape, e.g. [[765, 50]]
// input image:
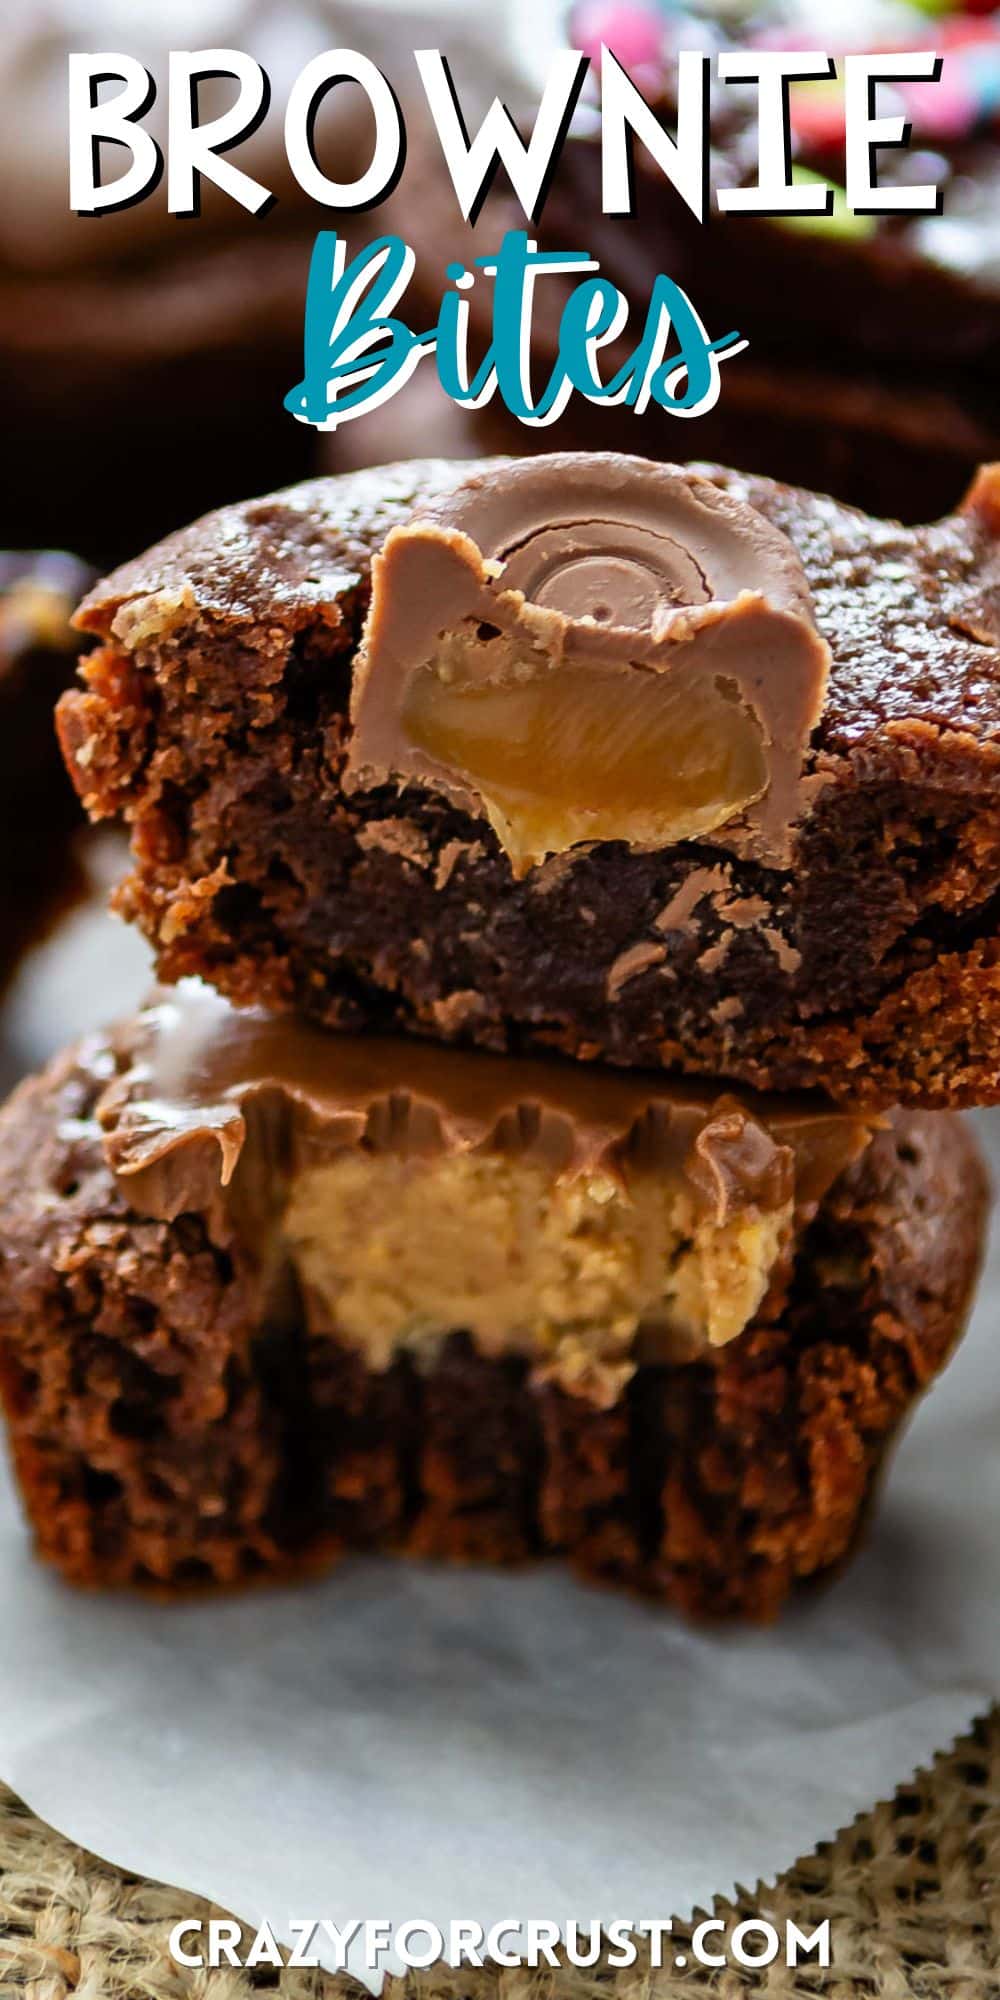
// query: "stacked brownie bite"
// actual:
[[575, 882]]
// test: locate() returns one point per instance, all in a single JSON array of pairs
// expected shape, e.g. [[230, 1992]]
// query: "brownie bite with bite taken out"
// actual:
[[269, 1294], [663, 766]]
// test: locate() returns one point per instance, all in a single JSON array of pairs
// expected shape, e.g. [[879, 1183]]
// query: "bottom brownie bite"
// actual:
[[268, 1294]]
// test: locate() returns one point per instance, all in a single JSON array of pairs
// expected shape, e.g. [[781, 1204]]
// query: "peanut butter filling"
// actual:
[[578, 1276], [561, 754], [583, 1220]]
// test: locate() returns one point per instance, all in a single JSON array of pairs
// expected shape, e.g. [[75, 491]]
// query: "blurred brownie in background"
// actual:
[[873, 367], [149, 353], [160, 384], [38, 812], [874, 363]]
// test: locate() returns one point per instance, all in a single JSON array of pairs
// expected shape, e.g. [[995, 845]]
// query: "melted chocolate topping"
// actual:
[[184, 1113]]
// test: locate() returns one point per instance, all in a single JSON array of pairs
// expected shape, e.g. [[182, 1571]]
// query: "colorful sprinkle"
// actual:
[[643, 34], [843, 223], [988, 80], [943, 111], [817, 114], [965, 97], [634, 34], [968, 92]]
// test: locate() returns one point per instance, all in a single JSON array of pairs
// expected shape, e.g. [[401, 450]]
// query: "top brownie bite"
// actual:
[[656, 765]]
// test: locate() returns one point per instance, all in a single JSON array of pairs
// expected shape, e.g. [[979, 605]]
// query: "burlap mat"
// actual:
[[912, 1891]]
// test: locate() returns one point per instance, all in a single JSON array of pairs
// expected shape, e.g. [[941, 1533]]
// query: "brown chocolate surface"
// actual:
[[176, 1118], [171, 1425], [216, 716], [165, 355]]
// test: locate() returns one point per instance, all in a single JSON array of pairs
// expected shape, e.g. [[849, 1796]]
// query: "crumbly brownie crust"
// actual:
[[215, 717], [171, 1425]]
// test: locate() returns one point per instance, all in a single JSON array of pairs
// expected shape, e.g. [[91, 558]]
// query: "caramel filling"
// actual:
[[567, 752], [582, 1275]]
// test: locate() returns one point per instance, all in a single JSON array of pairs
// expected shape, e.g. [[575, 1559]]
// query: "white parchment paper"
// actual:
[[403, 1742]]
